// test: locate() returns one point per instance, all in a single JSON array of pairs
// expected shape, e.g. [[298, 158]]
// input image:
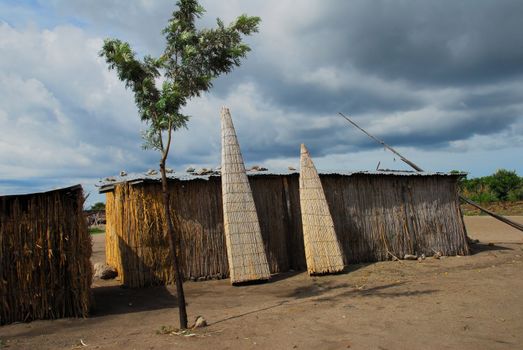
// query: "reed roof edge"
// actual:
[[108, 184], [61, 189]]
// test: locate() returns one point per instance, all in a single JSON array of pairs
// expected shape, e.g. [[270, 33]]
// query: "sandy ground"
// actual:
[[472, 302]]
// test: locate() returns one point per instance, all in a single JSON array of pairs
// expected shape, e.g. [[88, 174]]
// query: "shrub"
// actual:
[[515, 194], [502, 182]]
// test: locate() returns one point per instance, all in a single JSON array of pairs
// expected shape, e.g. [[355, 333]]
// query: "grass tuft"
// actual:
[[96, 230]]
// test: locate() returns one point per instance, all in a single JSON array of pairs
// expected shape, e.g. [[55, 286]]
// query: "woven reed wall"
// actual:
[[135, 233], [401, 214], [371, 214], [45, 247]]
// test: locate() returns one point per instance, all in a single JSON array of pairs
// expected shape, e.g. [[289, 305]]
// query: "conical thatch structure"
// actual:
[[322, 250], [245, 249]]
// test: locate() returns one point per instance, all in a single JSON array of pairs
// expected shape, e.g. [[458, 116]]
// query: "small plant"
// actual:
[[170, 330], [96, 231], [166, 330]]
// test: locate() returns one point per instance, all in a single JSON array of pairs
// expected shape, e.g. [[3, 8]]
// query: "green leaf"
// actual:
[[191, 60]]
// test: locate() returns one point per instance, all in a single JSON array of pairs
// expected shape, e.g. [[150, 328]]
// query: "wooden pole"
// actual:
[[418, 169], [499, 217], [405, 160]]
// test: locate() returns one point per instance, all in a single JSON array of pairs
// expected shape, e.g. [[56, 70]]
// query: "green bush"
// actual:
[[502, 182], [503, 185], [483, 197], [516, 194]]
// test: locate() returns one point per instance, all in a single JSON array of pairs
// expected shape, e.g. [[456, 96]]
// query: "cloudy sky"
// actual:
[[440, 80]]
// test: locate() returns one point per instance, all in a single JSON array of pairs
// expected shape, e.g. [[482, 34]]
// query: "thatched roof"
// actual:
[[322, 249], [245, 249]]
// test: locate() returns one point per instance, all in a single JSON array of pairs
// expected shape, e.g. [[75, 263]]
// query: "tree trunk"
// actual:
[[173, 243]]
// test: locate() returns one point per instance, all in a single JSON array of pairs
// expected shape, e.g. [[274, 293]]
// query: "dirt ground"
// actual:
[[473, 302]]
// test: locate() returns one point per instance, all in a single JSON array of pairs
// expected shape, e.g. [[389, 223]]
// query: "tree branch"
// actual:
[[160, 138], [169, 139]]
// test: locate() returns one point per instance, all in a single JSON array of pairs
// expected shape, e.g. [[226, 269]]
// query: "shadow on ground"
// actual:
[[115, 300], [322, 292], [476, 248], [382, 291]]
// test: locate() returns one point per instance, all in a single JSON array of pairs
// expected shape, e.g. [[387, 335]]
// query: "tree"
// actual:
[[191, 60], [98, 206], [502, 182]]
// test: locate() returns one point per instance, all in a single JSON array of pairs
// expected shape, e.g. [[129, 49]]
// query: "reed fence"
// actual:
[[373, 215], [45, 247]]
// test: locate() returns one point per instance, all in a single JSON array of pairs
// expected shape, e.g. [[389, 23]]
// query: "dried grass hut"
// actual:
[[45, 271], [374, 214]]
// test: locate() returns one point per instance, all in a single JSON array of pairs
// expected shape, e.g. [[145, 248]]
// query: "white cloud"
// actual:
[[59, 107]]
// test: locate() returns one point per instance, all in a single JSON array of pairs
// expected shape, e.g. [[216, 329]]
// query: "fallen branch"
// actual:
[[394, 257]]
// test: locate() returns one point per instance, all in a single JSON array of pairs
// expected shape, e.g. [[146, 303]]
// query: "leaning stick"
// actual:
[[418, 169], [405, 160], [499, 217]]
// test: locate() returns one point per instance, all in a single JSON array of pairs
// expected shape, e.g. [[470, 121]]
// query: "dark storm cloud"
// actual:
[[459, 129], [496, 99], [472, 47], [428, 46], [426, 42], [312, 99]]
